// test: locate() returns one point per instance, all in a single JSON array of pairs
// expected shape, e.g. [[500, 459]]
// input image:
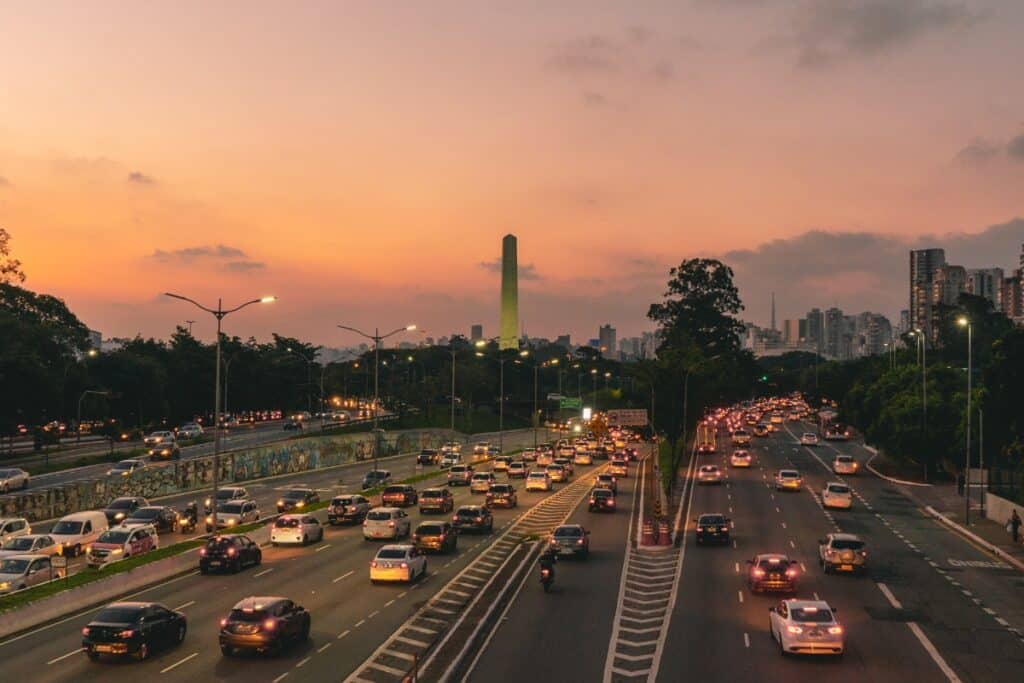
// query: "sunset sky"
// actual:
[[362, 160]]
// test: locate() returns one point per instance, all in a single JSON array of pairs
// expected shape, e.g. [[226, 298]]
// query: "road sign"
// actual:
[[627, 417], [566, 402], [58, 562]]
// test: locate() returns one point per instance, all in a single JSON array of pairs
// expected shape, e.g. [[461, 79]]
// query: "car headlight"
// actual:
[[794, 629], [300, 504], [5, 585], [232, 522], [119, 515], [280, 503]]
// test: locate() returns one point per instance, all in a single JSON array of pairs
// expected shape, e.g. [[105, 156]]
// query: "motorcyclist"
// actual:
[[547, 561], [189, 517]]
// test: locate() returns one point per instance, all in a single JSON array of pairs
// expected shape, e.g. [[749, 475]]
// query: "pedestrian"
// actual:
[[1015, 525]]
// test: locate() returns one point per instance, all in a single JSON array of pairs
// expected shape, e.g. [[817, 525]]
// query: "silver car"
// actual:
[[12, 479], [18, 572], [31, 544], [843, 553]]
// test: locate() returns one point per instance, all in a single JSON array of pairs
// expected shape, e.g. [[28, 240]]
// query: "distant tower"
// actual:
[[509, 338], [773, 311]]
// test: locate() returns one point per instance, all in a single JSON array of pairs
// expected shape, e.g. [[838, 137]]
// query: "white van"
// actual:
[[76, 532]]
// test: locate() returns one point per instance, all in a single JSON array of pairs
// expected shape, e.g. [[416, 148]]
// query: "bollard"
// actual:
[[664, 537], [648, 533]]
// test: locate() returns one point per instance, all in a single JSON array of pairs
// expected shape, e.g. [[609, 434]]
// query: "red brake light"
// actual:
[[579, 541], [85, 631], [223, 622], [373, 563], [231, 551], [791, 572], [269, 624], [405, 565], [391, 524], [126, 634], [202, 551], [758, 572]]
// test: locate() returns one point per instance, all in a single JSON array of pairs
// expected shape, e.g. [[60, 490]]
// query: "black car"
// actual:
[[292, 426], [428, 456], [263, 624], [772, 572], [229, 552], [435, 537], [399, 495], [436, 500], [602, 500], [502, 495], [712, 528], [122, 508], [297, 499], [132, 629], [473, 518], [351, 508], [375, 478], [165, 450], [164, 519]]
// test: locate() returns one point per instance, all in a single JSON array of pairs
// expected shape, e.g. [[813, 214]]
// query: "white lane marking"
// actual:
[[746, 639], [302, 663], [740, 593], [803, 567], [989, 610], [792, 545], [737, 567], [179, 663], [389, 603], [280, 678], [403, 594], [344, 576], [1002, 622], [70, 654], [816, 597], [734, 543], [343, 634], [921, 637], [323, 647], [325, 546], [359, 623], [777, 509], [187, 604], [265, 571], [372, 614], [783, 525]]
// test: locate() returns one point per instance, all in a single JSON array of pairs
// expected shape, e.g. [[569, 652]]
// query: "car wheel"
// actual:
[[305, 540], [226, 650], [143, 652], [826, 567], [304, 634], [423, 574], [203, 570], [181, 633], [259, 558], [236, 566], [93, 656]]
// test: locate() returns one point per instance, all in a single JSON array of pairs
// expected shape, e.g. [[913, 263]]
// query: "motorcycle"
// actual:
[[547, 570], [188, 518]]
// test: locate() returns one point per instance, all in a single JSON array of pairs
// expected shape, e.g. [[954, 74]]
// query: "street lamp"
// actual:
[[376, 338], [310, 362], [219, 313], [922, 349], [536, 370], [593, 376], [962, 321], [501, 388]]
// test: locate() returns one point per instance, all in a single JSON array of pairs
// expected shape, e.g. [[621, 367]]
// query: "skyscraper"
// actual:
[[773, 311], [476, 333], [815, 329], [606, 340], [509, 337], [923, 265], [834, 333]]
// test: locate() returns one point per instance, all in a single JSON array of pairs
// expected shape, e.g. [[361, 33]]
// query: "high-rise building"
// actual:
[[923, 265], [949, 283], [606, 339], [773, 312], [904, 322], [565, 341], [791, 332], [476, 333], [649, 345], [987, 283], [509, 336], [816, 329], [802, 329], [1012, 297], [834, 332]]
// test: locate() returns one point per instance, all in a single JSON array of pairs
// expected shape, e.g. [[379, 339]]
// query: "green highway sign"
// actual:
[[566, 402]]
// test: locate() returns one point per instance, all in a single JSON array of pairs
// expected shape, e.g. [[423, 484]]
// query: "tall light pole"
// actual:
[[377, 338], [501, 388], [593, 376], [535, 421], [219, 313], [923, 359], [962, 321], [309, 382]]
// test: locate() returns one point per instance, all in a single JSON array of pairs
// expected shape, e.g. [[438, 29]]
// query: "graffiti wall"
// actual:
[[284, 457]]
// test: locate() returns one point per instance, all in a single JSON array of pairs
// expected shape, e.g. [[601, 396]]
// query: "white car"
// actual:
[[13, 478], [234, 513], [583, 458], [501, 463], [386, 522], [30, 544], [121, 542], [516, 469], [460, 475], [844, 464], [158, 438], [481, 448], [837, 495], [709, 474], [24, 571], [398, 563], [840, 552], [190, 430], [805, 627], [538, 481], [741, 458], [126, 467], [481, 482], [12, 527], [788, 480], [545, 458], [450, 458], [301, 529], [809, 439], [228, 494]]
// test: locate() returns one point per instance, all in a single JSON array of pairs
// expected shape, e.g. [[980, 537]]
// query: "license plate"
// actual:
[[103, 648], [214, 563], [846, 567]]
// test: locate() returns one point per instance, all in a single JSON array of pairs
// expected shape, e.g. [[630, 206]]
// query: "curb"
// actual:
[[891, 480], [999, 552]]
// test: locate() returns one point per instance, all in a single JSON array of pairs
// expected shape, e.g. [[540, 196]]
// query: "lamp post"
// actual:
[[376, 338], [923, 361], [309, 382], [78, 425], [501, 388], [593, 376], [219, 313], [964, 322]]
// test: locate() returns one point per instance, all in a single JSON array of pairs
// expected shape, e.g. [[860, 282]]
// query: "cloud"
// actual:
[[664, 71], [981, 151], [139, 178], [586, 55], [594, 99], [830, 31], [190, 254], [527, 271], [245, 266], [1016, 148]]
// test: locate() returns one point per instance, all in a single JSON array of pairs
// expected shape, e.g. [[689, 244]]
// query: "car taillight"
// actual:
[[611, 502], [127, 633], [592, 501], [223, 622], [405, 565], [364, 522], [835, 630], [231, 552], [373, 563], [554, 542], [202, 551], [790, 572], [723, 528], [415, 537], [391, 524], [758, 572], [579, 541], [545, 572], [85, 631], [794, 629], [269, 625], [478, 519]]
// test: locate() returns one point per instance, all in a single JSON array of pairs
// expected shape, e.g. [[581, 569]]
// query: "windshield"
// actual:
[[121, 504], [432, 494], [118, 615], [379, 516], [294, 495], [395, 489], [341, 501], [536, 475], [842, 544], [113, 536], [786, 474], [430, 530], [285, 523], [22, 543], [219, 543], [13, 566], [391, 554], [838, 489], [146, 513], [601, 493], [7, 473], [468, 512], [811, 614], [64, 527], [250, 616], [459, 468], [225, 494], [774, 564], [712, 519], [231, 508], [569, 532], [844, 458]]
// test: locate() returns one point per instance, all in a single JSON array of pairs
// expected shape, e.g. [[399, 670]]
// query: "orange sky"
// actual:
[[361, 160]]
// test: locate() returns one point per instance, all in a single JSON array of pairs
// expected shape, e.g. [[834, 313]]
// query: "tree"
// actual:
[[10, 268], [699, 307]]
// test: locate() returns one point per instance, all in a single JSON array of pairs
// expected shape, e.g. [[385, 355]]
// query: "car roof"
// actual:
[[385, 508], [711, 514], [845, 537], [804, 604], [395, 546], [131, 604], [25, 556], [786, 472], [298, 515], [471, 507], [569, 526], [602, 491], [255, 602], [770, 556], [836, 483]]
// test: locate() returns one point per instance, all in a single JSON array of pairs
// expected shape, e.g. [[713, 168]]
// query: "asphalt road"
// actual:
[[350, 617]]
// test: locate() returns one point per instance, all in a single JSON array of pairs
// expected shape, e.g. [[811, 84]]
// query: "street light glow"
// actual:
[[962, 321], [524, 353], [478, 353], [480, 343], [268, 299], [410, 328]]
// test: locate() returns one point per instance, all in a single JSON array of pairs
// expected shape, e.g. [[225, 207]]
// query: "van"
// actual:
[[76, 532]]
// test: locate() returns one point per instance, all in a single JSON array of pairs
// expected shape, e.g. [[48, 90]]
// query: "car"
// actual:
[[761, 430], [164, 519], [545, 458], [126, 467], [836, 494], [844, 464], [297, 499], [619, 468], [429, 457], [788, 480], [190, 430], [375, 478], [481, 482], [75, 532], [436, 500], [502, 495], [386, 522], [168, 449], [840, 552], [231, 553], [776, 418], [398, 563], [570, 540], [473, 518], [451, 447], [712, 527], [807, 627], [538, 481], [709, 474], [296, 528], [809, 439], [529, 454], [133, 629], [460, 475], [773, 572], [493, 452], [122, 508], [234, 513], [481, 448], [30, 544], [121, 542], [12, 527], [227, 494], [501, 463], [607, 481], [516, 470], [449, 458], [157, 437], [13, 479], [741, 458], [264, 625], [399, 495], [18, 572], [292, 426], [557, 473], [435, 537], [347, 508], [741, 437], [601, 500], [566, 464]]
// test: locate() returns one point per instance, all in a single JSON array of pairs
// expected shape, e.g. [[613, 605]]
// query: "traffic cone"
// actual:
[[648, 533], [664, 537]]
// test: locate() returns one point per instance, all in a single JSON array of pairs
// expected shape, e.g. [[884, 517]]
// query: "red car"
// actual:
[[399, 495]]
